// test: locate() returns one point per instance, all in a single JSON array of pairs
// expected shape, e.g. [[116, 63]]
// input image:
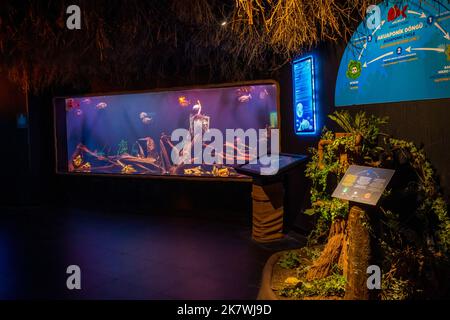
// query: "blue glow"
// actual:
[[404, 58], [303, 78]]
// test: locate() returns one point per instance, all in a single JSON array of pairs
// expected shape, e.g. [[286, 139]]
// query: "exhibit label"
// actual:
[[363, 184]]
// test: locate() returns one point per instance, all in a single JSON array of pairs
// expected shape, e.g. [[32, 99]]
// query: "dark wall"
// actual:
[[14, 147], [326, 59]]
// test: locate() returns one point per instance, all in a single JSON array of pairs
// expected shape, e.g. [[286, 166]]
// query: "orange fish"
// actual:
[[72, 103], [183, 101]]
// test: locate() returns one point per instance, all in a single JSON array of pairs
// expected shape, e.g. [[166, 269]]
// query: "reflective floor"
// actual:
[[128, 256]]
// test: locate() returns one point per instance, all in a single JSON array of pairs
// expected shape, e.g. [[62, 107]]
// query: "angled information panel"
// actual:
[[274, 165], [363, 184], [400, 52]]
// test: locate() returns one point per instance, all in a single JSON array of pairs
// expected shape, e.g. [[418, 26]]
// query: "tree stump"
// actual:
[[348, 247], [332, 254], [358, 247]]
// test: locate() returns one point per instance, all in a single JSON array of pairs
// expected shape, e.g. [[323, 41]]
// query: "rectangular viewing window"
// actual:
[[130, 134], [304, 96]]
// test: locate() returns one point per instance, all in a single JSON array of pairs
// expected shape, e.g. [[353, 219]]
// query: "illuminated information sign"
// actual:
[[304, 96], [363, 184], [400, 52]]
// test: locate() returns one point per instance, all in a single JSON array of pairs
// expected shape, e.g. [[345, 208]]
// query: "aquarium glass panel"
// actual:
[[131, 133]]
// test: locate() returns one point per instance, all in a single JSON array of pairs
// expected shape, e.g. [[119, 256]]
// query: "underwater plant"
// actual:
[[122, 147]]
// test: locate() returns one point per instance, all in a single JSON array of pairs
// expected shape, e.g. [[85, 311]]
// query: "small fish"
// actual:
[[71, 104], [101, 105], [263, 94], [143, 115], [245, 98], [86, 101], [147, 120], [183, 101], [79, 112], [395, 12]]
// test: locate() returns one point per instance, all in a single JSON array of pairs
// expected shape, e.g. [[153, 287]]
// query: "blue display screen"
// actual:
[[304, 96]]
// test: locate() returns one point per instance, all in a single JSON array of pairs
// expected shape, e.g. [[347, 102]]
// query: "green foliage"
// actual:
[[395, 289], [443, 233], [366, 126], [323, 203], [289, 260], [414, 236], [433, 204], [122, 148], [320, 231], [312, 253], [325, 174], [333, 285]]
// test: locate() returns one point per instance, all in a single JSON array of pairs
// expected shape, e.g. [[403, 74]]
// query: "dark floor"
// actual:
[[128, 256]]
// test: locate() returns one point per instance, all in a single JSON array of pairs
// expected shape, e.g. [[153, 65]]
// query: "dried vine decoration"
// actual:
[[290, 26], [128, 43], [194, 12]]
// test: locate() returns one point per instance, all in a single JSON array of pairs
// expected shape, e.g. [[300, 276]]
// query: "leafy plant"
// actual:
[[414, 236], [394, 288], [289, 260], [366, 126], [312, 253], [333, 285]]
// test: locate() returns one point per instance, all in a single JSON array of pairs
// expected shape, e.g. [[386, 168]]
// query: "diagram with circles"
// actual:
[[400, 52]]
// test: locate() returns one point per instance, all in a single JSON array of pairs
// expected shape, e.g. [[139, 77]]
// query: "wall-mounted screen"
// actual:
[[304, 96], [131, 134]]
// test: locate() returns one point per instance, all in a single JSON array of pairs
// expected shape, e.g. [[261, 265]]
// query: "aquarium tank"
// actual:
[[130, 134]]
